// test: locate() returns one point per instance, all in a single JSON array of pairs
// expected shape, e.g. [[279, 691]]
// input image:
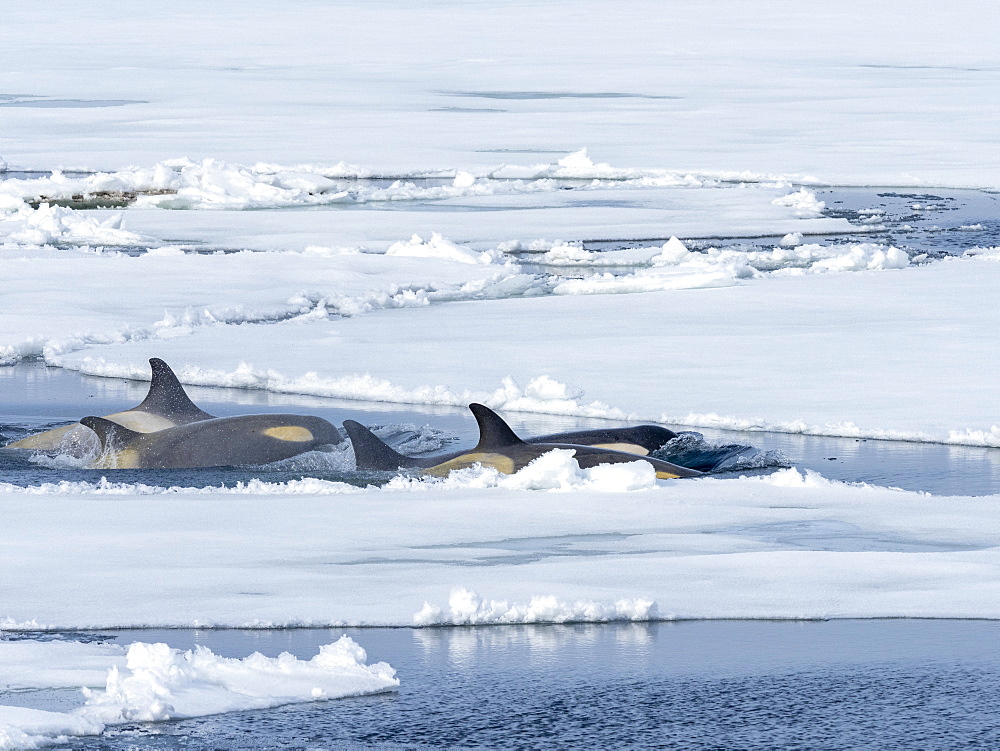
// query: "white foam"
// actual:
[[555, 470]]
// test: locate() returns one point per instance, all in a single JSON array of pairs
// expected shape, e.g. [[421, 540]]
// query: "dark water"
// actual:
[[876, 684], [34, 397], [926, 225]]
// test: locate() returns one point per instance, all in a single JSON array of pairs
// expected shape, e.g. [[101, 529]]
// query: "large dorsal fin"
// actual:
[[371, 453], [167, 398], [112, 435], [494, 433]]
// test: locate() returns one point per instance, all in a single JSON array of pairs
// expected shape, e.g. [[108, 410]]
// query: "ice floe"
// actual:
[[161, 683], [154, 682], [713, 137], [765, 326], [164, 295], [551, 543]]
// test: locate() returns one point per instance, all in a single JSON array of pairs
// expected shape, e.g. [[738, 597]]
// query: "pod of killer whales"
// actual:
[[167, 430]]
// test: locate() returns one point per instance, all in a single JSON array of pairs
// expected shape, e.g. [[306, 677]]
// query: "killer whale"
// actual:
[[499, 447], [218, 442], [166, 405], [371, 453]]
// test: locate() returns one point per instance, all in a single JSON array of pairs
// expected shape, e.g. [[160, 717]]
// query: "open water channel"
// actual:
[[849, 684]]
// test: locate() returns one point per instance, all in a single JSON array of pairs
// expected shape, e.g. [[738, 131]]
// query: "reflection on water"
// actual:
[[691, 685]]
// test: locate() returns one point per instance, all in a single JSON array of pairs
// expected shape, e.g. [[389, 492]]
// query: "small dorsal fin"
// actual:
[[371, 453], [493, 431], [112, 435], [167, 398]]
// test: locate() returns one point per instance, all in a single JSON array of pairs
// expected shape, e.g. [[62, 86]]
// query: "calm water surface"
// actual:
[[875, 684]]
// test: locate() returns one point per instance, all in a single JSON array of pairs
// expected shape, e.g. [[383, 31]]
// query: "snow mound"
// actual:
[[865, 257], [212, 184], [159, 683], [803, 202], [568, 254], [437, 247], [466, 608], [970, 437], [674, 267], [54, 224], [986, 254], [216, 184]]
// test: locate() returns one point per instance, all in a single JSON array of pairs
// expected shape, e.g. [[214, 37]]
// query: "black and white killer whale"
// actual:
[[372, 454], [218, 442], [166, 406], [499, 447]]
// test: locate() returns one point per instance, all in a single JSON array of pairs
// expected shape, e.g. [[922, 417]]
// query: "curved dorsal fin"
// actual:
[[371, 452], [167, 398], [112, 435], [493, 431]]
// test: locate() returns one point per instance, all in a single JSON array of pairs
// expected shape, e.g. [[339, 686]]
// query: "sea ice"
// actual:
[[153, 682], [573, 542], [786, 349], [318, 113]]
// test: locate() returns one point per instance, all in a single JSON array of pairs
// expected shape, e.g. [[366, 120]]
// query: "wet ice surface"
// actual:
[[36, 397], [818, 685]]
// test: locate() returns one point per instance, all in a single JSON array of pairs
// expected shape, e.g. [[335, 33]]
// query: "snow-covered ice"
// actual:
[[153, 682], [873, 94], [790, 349], [552, 543], [524, 204]]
